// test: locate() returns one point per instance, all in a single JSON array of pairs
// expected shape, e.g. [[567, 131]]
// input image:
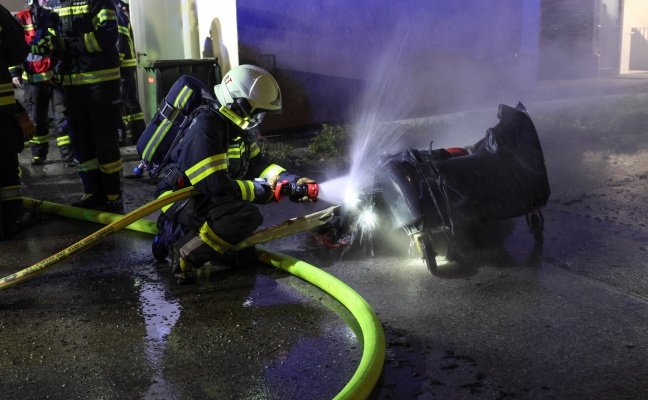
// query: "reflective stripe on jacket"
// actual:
[[89, 30], [126, 48]]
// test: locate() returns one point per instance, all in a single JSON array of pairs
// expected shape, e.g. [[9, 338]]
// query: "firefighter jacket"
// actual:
[[40, 25], [89, 31], [13, 50], [7, 97], [127, 59], [219, 159]]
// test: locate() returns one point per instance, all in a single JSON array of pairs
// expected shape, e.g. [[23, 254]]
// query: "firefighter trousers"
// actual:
[[215, 225], [94, 115], [133, 116], [38, 98], [11, 205]]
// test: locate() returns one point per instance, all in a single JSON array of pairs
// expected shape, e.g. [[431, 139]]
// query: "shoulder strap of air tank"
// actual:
[[205, 107]]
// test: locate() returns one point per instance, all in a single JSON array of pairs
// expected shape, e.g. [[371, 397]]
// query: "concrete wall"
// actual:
[[567, 49], [323, 53]]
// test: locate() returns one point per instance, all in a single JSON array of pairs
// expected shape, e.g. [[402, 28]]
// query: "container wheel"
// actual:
[[535, 221], [426, 248]]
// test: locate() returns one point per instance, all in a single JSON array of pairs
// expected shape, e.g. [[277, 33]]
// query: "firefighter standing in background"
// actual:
[[219, 155], [13, 50], [133, 117], [37, 74], [90, 75]]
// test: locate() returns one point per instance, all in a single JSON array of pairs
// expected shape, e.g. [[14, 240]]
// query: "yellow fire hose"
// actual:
[[84, 214], [95, 238], [373, 355]]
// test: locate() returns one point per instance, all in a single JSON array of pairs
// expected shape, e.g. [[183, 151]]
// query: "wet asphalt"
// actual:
[[562, 321]]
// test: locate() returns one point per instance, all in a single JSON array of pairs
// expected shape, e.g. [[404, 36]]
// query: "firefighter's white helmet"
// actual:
[[250, 92]]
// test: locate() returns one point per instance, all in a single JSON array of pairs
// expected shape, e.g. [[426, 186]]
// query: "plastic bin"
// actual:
[[162, 74]]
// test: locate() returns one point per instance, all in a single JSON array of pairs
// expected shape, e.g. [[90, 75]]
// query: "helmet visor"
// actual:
[[255, 120], [244, 109]]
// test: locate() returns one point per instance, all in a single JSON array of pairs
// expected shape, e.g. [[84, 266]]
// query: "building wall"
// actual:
[[323, 53], [567, 49]]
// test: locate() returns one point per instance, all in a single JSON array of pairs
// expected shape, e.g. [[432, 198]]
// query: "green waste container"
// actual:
[[162, 74]]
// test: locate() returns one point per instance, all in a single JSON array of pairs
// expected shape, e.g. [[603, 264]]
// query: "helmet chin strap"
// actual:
[[234, 117]]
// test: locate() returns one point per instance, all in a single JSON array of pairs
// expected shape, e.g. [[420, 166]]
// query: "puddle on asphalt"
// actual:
[[301, 312], [160, 315]]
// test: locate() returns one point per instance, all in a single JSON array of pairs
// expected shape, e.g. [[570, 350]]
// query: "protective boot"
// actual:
[[168, 233], [123, 137], [13, 218], [93, 196], [114, 205], [66, 155], [241, 259], [137, 128], [91, 201], [181, 267]]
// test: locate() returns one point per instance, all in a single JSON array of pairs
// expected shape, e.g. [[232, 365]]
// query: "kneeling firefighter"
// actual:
[[219, 156]]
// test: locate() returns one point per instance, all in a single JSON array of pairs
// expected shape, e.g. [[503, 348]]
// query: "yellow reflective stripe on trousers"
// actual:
[[88, 166], [272, 170], [86, 78], [137, 116], [206, 167], [7, 94], [9, 193], [7, 100], [63, 140], [247, 190], [39, 139], [112, 167], [213, 240]]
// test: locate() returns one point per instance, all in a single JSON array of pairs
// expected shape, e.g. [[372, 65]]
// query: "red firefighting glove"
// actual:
[[272, 182], [268, 186], [26, 124]]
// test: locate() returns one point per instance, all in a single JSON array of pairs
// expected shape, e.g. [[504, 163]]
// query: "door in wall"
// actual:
[[608, 35]]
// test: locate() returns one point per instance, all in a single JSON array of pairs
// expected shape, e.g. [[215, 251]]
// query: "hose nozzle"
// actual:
[[284, 188]]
